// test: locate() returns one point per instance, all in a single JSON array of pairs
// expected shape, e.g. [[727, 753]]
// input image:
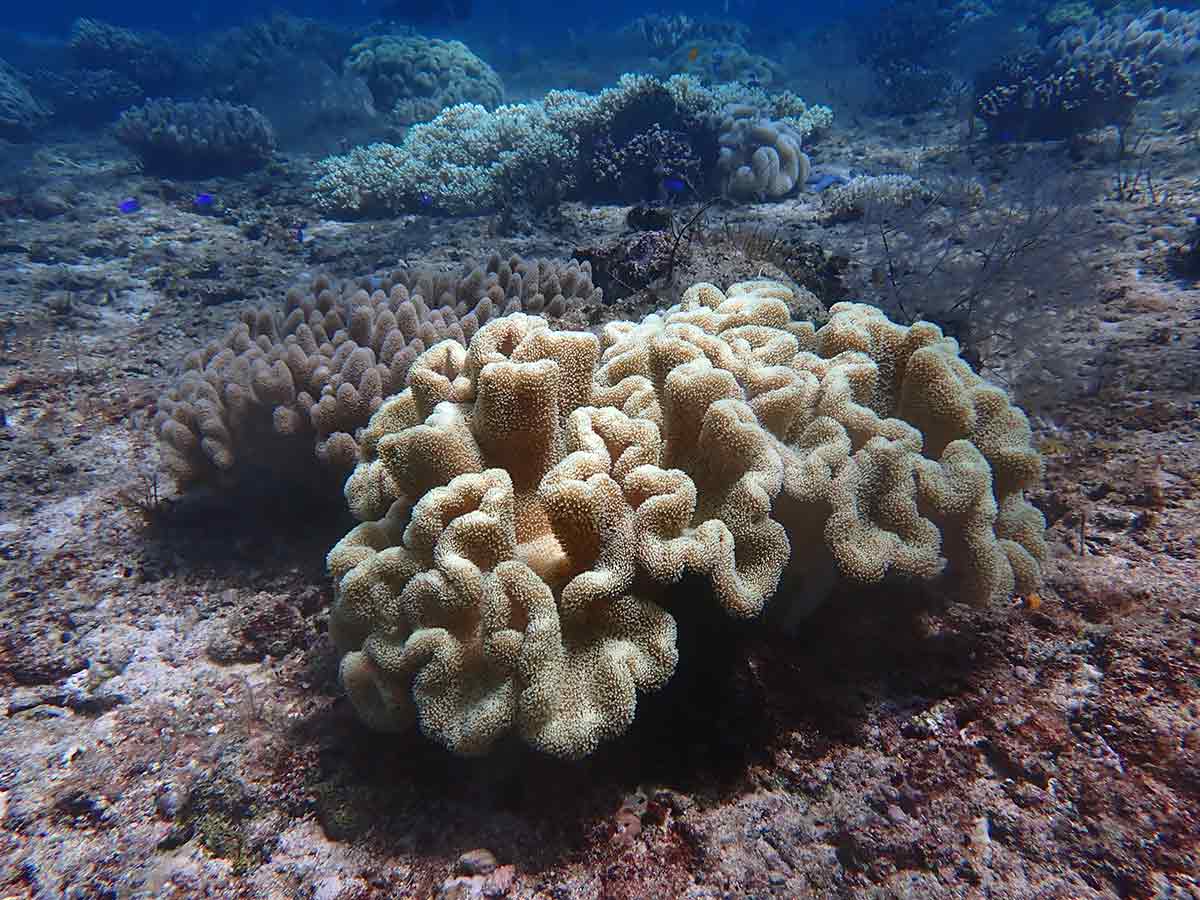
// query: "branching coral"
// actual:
[[315, 372], [1090, 76], [528, 499], [721, 61], [469, 159]]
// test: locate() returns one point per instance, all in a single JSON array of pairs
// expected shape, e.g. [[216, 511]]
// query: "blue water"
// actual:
[[529, 17]]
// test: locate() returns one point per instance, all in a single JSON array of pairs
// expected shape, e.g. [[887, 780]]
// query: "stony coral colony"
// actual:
[[530, 496]]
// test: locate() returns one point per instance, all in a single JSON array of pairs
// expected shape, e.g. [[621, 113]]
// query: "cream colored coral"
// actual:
[[531, 497], [507, 602], [318, 369], [760, 158]]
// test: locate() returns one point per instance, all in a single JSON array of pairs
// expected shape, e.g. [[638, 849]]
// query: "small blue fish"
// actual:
[[129, 205], [426, 201], [299, 234], [674, 184], [204, 201], [822, 182]]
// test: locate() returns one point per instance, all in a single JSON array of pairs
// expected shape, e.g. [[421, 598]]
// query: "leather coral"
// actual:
[[528, 499]]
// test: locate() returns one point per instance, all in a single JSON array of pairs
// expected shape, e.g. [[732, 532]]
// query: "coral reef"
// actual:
[[905, 44], [721, 62], [528, 499], [87, 97], [1028, 97], [20, 113], [851, 200], [314, 372], [652, 165], [467, 159], [147, 58], [702, 104], [662, 33], [196, 138], [760, 159], [1068, 14], [1160, 37], [415, 78], [1090, 76], [235, 62]]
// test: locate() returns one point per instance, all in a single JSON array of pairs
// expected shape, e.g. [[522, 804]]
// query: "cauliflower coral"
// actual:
[[527, 500]]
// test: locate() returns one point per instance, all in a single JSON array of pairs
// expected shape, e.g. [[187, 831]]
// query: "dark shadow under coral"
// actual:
[[740, 692]]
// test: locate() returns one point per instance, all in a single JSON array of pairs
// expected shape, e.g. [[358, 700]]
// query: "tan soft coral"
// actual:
[[314, 372], [528, 499], [509, 602]]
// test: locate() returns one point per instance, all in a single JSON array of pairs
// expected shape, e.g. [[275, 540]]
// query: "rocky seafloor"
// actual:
[[170, 720]]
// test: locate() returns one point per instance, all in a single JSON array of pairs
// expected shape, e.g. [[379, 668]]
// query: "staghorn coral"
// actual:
[[760, 158], [527, 499], [313, 373], [415, 78], [197, 138]]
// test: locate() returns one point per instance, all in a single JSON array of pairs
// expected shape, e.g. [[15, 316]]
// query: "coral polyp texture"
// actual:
[[197, 138], [760, 158], [528, 500], [415, 78], [312, 374], [469, 159], [1090, 76]]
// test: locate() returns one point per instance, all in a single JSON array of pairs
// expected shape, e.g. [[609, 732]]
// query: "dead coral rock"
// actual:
[[631, 263], [476, 862], [495, 883], [252, 407], [271, 626]]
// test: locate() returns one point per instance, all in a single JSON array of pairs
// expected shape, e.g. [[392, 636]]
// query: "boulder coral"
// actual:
[[529, 498], [415, 78]]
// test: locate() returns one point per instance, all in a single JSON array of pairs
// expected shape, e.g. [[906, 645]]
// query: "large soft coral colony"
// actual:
[[529, 498]]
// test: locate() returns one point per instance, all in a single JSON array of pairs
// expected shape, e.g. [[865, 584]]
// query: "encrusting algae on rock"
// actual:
[[528, 498]]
